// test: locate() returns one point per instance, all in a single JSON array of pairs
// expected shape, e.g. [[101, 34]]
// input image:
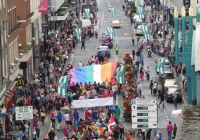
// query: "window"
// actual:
[[3, 66], [6, 69], [1, 5]]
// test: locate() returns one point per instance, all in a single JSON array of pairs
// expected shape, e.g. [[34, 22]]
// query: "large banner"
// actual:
[[92, 73], [93, 102]]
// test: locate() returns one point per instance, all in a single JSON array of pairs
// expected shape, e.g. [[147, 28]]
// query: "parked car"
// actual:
[[170, 83], [115, 23], [167, 75], [109, 44], [139, 31], [170, 94], [103, 50]]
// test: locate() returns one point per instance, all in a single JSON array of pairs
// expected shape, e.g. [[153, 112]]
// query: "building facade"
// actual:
[[37, 35], [3, 57]]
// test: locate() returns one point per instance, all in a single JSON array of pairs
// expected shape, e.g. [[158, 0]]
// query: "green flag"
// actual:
[[78, 34], [140, 12], [147, 32], [113, 11], [143, 31], [110, 32], [87, 13], [162, 65], [158, 66], [120, 76], [62, 85]]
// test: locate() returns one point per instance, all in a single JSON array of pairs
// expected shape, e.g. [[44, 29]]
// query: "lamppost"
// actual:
[[54, 19], [183, 11], [176, 36], [33, 42]]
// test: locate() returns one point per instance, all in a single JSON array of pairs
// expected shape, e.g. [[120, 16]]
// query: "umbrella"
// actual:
[[63, 96], [65, 108], [69, 39]]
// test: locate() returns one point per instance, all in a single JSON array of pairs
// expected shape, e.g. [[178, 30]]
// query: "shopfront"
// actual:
[[3, 114], [26, 69]]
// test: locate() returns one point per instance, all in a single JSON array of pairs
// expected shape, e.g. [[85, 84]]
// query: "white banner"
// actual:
[[93, 102]]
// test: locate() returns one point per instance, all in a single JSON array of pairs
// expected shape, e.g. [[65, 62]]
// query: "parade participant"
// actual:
[[51, 134], [148, 71], [65, 130], [142, 73], [76, 115], [117, 112], [87, 114], [59, 118], [53, 119], [133, 38], [117, 49]]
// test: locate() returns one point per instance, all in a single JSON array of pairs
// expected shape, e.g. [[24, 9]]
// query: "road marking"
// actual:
[[105, 9], [117, 9], [125, 34]]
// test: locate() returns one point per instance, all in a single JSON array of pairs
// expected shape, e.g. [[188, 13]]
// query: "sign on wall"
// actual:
[[186, 3]]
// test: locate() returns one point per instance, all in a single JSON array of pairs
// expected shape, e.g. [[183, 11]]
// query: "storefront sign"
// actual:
[[186, 3], [24, 112]]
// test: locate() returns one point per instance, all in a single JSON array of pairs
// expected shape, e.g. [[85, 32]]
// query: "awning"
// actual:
[[43, 7], [57, 4], [59, 18]]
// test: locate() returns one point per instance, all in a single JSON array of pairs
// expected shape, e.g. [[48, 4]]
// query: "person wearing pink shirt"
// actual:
[[169, 130], [53, 119]]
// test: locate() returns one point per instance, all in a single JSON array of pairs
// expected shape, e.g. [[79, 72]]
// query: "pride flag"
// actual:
[[92, 73]]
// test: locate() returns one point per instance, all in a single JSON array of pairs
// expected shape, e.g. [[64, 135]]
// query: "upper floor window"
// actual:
[[3, 3], [0, 4]]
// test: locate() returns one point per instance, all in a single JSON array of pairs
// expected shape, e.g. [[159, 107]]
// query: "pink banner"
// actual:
[[43, 7]]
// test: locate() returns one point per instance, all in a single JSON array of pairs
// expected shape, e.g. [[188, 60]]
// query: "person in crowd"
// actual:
[[169, 130]]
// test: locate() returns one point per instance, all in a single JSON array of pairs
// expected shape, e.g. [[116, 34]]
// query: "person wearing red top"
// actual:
[[87, 114], [169, 130]]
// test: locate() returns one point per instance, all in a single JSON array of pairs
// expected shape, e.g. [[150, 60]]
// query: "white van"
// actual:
[[86, 22]]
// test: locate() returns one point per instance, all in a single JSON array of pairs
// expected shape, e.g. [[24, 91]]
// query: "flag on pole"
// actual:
[[113, 11], [62, 85], [110, 32], [78, 33], [140, 12], [87, 13], [147, 32], [111, 123], [158, 66], [162, 65], [120, 75]]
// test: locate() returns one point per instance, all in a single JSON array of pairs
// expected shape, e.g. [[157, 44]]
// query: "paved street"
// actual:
[[123, 39]]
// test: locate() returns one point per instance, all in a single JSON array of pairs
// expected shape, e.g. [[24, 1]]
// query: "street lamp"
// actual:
[[19, 45], [176, 36], [54, 18], [183, 11], [33, 42]]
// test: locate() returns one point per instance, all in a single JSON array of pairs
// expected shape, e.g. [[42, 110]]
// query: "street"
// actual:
[[123, 40]]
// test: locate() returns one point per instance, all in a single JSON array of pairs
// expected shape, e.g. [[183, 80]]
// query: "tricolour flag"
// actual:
[[111, 123], [62, 85]]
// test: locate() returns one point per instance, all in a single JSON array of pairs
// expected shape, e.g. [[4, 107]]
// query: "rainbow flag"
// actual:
[[92, 73]]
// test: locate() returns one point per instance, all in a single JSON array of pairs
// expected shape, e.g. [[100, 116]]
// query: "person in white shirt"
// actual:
[[66, 118], [155, 88], [139, 87]]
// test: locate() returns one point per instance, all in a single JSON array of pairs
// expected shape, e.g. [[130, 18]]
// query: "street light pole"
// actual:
[[54, 18], [183, 11], [33, 43], [176, 36]]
